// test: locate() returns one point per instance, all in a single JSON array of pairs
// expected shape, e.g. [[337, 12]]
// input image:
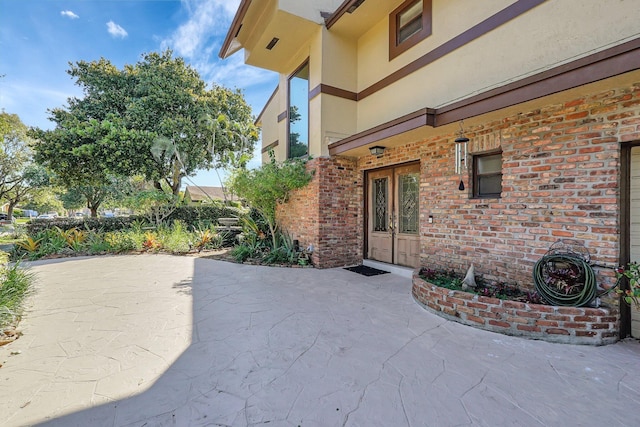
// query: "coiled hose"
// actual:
[[546, 283]]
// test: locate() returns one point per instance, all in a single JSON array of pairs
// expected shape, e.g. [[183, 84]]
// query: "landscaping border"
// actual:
[[568, 325]]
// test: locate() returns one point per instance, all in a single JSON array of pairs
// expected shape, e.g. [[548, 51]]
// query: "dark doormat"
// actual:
[[366, 271]]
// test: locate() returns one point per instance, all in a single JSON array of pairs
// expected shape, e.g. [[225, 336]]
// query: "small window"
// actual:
[[487, 175], [409, 24]]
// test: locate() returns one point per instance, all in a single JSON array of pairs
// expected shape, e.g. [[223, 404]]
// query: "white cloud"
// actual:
[[207, 19], [233, 72], [200, 37], [116, 30], [69, 14]]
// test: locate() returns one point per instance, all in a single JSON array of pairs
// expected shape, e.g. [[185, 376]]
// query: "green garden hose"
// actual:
[[564, 280]]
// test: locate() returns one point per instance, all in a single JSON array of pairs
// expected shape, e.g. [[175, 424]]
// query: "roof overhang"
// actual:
[[271, 32], [230, 45]]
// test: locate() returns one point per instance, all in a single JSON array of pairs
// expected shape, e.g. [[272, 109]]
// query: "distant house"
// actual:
[[195, 195]]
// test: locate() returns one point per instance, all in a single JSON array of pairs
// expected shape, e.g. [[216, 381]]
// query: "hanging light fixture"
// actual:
[[461, 154]]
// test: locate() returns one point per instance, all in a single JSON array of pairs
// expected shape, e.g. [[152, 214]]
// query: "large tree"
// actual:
[[32, 179], [156, 118], [14, 152], [19, 176]]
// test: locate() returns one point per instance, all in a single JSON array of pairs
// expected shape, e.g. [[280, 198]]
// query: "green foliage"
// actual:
[[154, 205], [208, 239], [271, 184], [79, 238], [631, 295], [243, 252], [15, 283], [14, 151], [30, 244], [450, 280], [96, 244], [175, 239], [123, 241], [155, 118], [35, 226], [206, 215]]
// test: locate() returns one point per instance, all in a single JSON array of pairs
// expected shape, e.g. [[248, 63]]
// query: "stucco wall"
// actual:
[[548, 35]]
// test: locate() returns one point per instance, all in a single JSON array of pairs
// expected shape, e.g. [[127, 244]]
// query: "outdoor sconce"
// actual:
[[461, 155], [377, 150]]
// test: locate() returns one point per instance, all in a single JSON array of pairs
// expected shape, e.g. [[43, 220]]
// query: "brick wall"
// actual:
[[327, 213], [571, 325], [560, 181]]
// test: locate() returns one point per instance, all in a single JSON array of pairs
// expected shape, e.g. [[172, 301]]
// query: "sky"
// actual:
[[39, 38]]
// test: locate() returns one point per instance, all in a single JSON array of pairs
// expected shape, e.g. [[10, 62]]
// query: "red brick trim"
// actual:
[[569, 325]]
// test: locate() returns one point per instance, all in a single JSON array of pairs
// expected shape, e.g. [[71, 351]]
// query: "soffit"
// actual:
[[291, 31]]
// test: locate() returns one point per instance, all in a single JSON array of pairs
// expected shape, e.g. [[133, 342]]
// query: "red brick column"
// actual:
[[327, 213]]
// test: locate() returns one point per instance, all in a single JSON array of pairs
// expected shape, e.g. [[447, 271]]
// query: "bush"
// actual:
[[123, 241], [36, 226], [175, 239], [195, 217], [449, 280], [15, 283]]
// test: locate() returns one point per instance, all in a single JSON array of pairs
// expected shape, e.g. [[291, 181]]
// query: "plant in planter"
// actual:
[[449, 280], [632, 273]]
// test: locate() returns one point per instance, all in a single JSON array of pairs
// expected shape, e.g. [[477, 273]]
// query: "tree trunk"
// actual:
[[10, 209], [176, 179]]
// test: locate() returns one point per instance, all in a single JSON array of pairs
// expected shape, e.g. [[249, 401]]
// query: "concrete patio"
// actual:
[[156, 340]]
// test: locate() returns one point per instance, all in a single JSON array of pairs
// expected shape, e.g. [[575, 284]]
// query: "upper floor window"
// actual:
[[487, 175], [298, 126], [409, 24]]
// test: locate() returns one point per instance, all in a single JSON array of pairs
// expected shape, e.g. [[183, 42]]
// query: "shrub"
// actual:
[[15, 283], [449, 280], [175, 239], [123, 241], [195, 217], [36, 226]]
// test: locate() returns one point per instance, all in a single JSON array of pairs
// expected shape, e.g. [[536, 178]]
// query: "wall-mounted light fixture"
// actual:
[[377, 150], [461, 154]]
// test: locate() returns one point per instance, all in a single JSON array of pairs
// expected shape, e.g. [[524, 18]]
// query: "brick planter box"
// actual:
[[569, 325]]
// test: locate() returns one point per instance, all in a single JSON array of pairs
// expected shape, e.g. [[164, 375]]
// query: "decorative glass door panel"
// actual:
[[393, 215], [379, 231]]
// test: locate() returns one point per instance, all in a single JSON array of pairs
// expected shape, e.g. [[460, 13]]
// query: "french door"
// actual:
[[393, 233]]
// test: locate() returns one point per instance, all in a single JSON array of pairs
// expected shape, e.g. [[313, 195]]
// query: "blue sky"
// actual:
[[38, 39]]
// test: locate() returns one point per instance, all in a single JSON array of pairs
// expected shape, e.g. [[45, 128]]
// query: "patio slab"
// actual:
[[158, 340]]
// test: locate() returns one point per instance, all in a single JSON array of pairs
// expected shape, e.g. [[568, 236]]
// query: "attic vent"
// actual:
[[272, 43]]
